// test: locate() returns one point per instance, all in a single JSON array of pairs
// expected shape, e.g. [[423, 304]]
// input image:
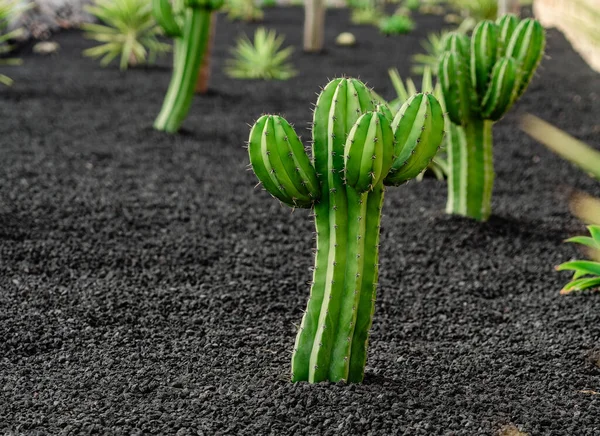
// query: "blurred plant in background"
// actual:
[[129, 32], [477, 10], [563, 144], [412, 5], [586, 272], [366, 12], [263, 59], [396, 25], [244, 10], [9, 11], [587, 208], [434, 48]]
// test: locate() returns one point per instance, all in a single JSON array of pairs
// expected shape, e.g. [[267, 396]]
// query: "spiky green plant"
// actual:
[[366, 12], [262, 60], [481, 78], [189, 23], [477, 9], [404, 89], [433, 46], [358, 148], [244, 10], [396, 25], [584, 206], [129, 32], [9, 10], [586, 272]]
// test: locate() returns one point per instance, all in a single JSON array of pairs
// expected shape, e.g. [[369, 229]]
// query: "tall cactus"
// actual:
[[357, 149], [190, 27], [481, 78]]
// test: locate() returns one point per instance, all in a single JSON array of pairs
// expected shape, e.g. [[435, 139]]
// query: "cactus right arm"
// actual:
[[163, 13]]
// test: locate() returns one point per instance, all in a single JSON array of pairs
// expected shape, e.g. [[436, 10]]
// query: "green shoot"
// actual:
[[586, 272], [263, 59]]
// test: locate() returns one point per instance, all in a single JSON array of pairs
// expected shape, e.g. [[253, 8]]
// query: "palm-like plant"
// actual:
[[396, 25], [433, 46], [263, 59], [9, 9], [129, 32], [586, 272]]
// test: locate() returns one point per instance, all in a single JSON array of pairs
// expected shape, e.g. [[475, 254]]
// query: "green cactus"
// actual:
[[481, 79], [357, 149], [190, 26]]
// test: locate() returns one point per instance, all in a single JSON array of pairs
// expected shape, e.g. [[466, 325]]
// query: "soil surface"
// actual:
[[146, 288]]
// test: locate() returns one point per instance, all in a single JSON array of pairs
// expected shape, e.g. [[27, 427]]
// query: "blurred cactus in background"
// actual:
[[481, 78], [189, 22]]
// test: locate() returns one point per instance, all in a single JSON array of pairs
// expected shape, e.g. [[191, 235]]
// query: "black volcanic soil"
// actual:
[[146, 288]]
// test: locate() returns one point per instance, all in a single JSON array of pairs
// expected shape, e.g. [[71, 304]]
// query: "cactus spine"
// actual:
[[357, 149], [481, 79], [191, 30]]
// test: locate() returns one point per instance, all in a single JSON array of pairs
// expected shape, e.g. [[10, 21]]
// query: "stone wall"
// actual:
[[578, 20]]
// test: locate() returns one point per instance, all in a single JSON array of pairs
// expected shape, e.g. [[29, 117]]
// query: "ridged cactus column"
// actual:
[[481, 78], [357, 149], [190, 28]]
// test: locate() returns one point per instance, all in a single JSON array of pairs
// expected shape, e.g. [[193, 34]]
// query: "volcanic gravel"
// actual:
[[147, 288]]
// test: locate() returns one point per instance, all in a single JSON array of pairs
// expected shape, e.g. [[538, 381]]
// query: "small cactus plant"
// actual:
[[358, 148], [191, 28], [481, 78]]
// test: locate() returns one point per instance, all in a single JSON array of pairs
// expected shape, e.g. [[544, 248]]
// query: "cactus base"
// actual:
[[471, 170]]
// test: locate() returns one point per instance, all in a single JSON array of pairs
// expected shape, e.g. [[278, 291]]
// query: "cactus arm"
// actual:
[[457, 170], [371, 142], [418, 131], [483, 55], [506, 27], [310, 321], [301, 163], [368, 290], [455, 82], [260, 165], [310, 360], [526, 46], [280, 163], [336, 264], [163, 13], [501, 92], [283, 163], [353, 154]]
